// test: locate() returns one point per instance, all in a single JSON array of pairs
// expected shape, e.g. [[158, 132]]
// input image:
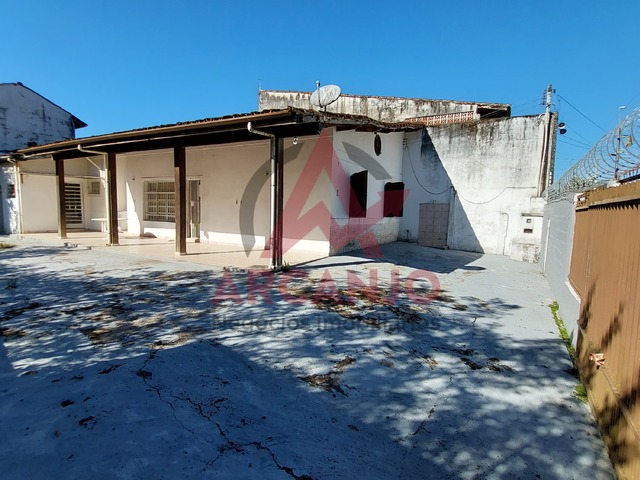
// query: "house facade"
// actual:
[[444, 174], [27, 119], [277, 180], [474, 174]]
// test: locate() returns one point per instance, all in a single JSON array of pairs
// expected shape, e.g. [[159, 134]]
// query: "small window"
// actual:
[[11, 190], [93, 188], [393, 199], [528, 230], [377, 145], [159, 201], [358, 197]]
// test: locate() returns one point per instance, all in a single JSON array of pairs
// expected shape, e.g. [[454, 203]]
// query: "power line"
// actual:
[[569, 103], [575, 143]]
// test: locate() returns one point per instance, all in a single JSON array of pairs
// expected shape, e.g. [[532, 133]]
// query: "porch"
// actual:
[[214, 254]]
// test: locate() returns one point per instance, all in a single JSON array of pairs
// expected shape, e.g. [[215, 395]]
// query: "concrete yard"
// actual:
[[123, 366]]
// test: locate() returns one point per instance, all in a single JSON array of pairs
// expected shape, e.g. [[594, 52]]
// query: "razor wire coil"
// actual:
[[614, 158]]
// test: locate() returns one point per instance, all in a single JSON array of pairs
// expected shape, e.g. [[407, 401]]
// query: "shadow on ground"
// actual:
[[113, 366]]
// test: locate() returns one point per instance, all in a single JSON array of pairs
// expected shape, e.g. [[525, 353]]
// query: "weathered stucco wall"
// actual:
[[389, 109], [354, 152], [26, 117], [555, 259], [488, 173]]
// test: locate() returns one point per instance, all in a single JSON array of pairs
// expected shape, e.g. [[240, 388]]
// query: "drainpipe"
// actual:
[[272, 138]]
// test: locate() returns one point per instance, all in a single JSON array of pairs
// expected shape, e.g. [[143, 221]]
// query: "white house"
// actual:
[[446, 174], [474, 174], [281, 179], [27, 119]]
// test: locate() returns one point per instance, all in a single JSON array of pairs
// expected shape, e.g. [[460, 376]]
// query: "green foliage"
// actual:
[[563, 332], [581, 392]]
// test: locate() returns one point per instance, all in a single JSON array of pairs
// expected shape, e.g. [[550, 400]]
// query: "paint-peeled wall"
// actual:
[[27, 118], [487, 172], [387, 109]]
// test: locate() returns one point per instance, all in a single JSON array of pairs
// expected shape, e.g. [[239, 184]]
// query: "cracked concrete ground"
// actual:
[[121, 366]]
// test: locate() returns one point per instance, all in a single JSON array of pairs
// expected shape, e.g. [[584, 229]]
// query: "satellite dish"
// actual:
[[325, 95]]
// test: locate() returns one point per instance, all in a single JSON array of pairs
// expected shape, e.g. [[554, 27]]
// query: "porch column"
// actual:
[[180, 175], [278, 207], [62, 211], [112, 199]]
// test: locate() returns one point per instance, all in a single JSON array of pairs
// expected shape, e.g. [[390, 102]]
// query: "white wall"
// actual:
[[388, 109], [493, 167], [235, 188], [38, 192], [10, 206], [354, 153], [26, 117], [555, 260], [224, 173]]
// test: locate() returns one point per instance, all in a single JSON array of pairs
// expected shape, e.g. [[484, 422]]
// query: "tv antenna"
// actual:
[[325, 95]]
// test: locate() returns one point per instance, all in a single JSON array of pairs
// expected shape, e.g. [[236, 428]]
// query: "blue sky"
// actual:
[[119, 65]]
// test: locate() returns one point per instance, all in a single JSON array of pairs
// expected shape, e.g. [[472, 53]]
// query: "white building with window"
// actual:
[[335, 186], [28, 119]]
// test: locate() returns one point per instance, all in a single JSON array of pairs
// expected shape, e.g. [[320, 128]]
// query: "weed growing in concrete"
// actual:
[[581, 392], [563, 332]]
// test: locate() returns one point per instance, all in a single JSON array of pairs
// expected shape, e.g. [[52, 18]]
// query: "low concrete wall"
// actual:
[[555, 259]]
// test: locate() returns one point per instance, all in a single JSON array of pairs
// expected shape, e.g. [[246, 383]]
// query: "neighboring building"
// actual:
[[474, 174], [27, 119]]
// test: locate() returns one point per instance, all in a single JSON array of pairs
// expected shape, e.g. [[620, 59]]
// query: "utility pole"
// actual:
[[545, 170], [617, 154]]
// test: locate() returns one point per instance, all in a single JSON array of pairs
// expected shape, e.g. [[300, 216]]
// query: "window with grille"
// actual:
[[159, 201], [93, 188], [73, 203]]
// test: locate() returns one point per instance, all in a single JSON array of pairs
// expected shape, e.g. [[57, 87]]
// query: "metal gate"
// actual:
[[73, 204], [433, 224], [605, 271]]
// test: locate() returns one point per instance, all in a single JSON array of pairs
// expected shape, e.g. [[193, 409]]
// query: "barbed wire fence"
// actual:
[[614, 158]]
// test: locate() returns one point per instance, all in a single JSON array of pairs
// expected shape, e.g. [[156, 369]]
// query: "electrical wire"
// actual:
[[569, 103], [494, 198], [458, 193], [574, 143], [417, 180]]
